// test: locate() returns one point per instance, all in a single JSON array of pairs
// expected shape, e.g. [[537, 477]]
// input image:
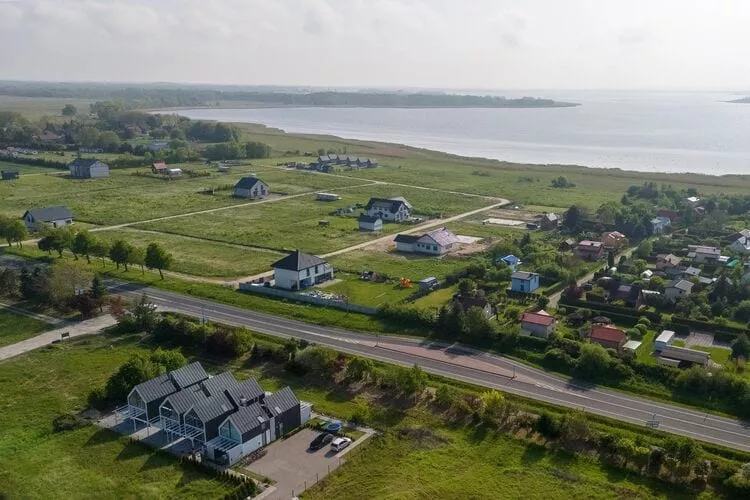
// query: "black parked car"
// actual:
[[320, 441]]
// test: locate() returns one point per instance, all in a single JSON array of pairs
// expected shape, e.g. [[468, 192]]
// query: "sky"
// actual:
[[469, 44]]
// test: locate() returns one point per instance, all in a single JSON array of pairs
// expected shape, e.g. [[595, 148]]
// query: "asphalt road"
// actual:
[[521, 379]]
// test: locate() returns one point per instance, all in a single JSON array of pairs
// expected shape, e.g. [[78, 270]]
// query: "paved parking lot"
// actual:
[[293, 467]]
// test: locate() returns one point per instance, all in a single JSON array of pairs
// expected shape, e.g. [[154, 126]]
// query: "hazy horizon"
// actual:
[[449, 45]]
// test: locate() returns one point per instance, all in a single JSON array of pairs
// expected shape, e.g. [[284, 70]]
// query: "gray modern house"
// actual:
[[88, 168], [226, 418], [251, 187]]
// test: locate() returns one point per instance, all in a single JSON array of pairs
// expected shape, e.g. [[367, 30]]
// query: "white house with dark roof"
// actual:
[[703, 254], [390, 210], [300, 270], [437, 242], [371, 224], [88, 168], [250, 187], [742, 243], [54, 216]]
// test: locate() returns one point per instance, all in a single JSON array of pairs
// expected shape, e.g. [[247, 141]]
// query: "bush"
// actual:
[[97, 398], [68, 422], [547, 425]]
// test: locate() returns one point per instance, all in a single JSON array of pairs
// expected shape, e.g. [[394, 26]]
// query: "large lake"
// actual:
[[644, 131]]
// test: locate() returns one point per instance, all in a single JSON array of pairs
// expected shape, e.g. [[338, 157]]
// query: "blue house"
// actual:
[[509, 260], [525, 282]]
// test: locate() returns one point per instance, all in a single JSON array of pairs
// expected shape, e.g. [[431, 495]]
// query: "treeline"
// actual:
[[679, 461], [149, 96]]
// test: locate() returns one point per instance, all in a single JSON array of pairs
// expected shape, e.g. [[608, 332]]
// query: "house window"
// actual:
[[307, 272], [316, 269]]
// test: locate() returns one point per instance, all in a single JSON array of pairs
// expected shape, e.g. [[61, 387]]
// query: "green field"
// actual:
[[400, 265], [125, 197], [15, 328], [436, 299], [37, 463], [35, 108], [199, 257], [295, 223], [367, 293]]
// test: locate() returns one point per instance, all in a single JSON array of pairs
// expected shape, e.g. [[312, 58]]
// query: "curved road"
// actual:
[[468, 365]]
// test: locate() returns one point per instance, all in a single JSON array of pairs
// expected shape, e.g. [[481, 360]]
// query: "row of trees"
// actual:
[[122, 253]]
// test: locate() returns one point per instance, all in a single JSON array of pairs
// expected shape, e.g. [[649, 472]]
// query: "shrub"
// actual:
[[547, 425], [68, 422]]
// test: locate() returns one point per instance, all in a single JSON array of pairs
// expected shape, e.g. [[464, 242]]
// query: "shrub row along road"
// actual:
[[467, 365]]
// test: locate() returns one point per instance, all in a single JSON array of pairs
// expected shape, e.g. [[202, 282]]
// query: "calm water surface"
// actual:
[[644, 131]]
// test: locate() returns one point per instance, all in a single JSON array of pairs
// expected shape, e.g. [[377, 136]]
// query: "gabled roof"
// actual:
[[248, 389], [406, 238], [48, 214], [441, 236], [367, 219], [83, 162], [281, 401], [182, 401], [523, 275], [159, 165], [217, 384], [213, 407], [156, 388], [247, 418], [297, 261], [538, 318], [589, 246], [390, 205], [188, 375], [613, 234], [247, 182], [680, 284], [692, 271], [669, 259], [509, 259], [550, 217], [607, 332]]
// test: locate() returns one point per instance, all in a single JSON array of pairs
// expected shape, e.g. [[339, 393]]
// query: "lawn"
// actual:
[[200, 257], [35, 108], [15, 328], [400, 265], [37, 463], [436, 299], [368, 293], [647, 347]]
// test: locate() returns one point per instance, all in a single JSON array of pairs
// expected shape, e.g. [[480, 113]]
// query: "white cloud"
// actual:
[[429, 43]]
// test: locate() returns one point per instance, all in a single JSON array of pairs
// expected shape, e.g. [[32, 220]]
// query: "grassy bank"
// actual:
[[15, 328]]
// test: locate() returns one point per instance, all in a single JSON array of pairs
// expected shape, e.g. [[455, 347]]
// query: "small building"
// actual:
[[470, 301], [589, 250], [607, 336], [88, 168], [614, 239], [690, 272], [741, 244], [549, 221], [676, 289], [327, 197], [667, 261], [524, 282], [437, 242], [300, 270], [174, 172], [672, 215], [49, 137], [664, 339], [390, 210], [693, 201], [568, 244], [659, 224], [631, 295], [703, 254], [683, 357], [428, 284], [509, 260], [54, 216], [538, 324], [8, 175], [372, 224], [159, 167], [250, 187], [632, 346]]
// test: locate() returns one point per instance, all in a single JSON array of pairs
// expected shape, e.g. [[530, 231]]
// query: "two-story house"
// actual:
[[300, 270], [614, 239], [524, 282], [88, 168], [589, 250], [390, 210]]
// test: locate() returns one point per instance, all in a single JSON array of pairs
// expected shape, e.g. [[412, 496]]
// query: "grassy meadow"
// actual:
[[15, 328], [37, 463], [199, 257], [399, 265], [367, 293], [37, 108]]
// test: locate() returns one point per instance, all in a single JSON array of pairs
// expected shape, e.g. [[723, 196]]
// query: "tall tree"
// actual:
[[137, 257], [69, 110], [98, 291], [82, 245], [119, 252], [14, 231], [100, 248], [157, 258]]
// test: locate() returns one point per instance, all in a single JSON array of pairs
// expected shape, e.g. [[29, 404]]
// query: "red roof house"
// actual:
[[607, 336], [538, 324]]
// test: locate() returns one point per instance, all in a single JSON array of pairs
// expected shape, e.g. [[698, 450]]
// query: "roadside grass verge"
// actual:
[[368, 293], [36, 462], [15, 327]]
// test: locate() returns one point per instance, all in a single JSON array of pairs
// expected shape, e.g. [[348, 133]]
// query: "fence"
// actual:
[[307, 299]]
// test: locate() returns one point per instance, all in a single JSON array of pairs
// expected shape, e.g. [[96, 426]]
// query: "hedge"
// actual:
[[601, 306]]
